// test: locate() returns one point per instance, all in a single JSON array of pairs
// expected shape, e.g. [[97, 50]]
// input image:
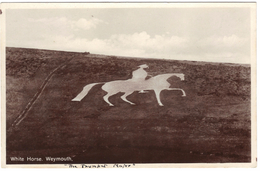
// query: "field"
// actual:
[[210, 125]]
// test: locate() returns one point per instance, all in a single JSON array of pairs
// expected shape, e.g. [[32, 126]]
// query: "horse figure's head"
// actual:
[[143, 66]]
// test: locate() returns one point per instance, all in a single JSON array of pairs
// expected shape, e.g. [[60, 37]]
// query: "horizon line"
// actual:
[[130, 57]]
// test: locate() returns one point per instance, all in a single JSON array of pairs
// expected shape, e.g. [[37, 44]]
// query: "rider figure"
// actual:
[[140, 75]]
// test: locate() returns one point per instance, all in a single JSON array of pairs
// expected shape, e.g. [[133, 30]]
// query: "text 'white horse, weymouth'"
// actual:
[[156, 83]]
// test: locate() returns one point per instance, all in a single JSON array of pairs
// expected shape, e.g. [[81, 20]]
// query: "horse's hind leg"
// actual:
[[107, 96], [124, 97]]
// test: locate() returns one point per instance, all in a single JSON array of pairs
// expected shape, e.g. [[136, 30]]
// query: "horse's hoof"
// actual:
[[183, 95], [161, 105], [132, 104], [111, 105]]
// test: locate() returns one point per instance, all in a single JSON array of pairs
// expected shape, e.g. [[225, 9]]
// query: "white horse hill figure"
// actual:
[[137, 83]]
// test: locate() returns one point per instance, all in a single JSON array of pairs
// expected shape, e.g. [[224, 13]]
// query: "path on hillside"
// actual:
[[24, 113]]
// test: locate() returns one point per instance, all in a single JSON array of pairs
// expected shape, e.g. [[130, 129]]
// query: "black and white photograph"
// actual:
[[128, 85]]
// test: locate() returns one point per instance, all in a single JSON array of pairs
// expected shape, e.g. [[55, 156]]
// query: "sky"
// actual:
[[195, 34]]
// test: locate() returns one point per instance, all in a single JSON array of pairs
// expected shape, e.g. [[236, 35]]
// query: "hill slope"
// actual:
[[211, 124]]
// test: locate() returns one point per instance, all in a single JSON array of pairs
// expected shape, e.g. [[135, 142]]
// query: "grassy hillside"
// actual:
[[212, 124]]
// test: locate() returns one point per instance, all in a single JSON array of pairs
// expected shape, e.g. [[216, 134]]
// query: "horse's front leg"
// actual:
[[157, 94], [183, 92]]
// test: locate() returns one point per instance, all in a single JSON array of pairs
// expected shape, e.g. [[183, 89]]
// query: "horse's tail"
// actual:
[[84, 92]]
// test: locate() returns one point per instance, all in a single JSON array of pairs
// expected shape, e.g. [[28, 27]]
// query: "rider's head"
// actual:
[[143, 66]]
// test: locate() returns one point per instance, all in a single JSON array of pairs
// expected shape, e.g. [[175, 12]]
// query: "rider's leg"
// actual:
[[138, 81], [143, 91], [124, 97]]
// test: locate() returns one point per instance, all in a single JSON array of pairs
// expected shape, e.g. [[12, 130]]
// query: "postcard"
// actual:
[[128, 85]]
